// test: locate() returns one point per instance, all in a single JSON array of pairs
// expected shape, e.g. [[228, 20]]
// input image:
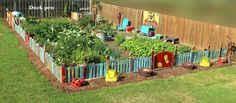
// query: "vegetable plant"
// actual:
[[142, 47]]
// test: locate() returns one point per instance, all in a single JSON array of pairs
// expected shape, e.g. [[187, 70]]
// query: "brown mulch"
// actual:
[[100, 83]]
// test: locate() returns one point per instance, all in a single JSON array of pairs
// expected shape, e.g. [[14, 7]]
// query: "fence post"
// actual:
[[10, 21], [209, 48], [63, 77], [27, 38], [220, 50], [131, 63], [73, 71], [153, 60], [108, 63], [85, 70], [175, 56]]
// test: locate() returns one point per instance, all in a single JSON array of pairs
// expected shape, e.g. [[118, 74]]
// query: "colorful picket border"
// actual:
[[95, 71]]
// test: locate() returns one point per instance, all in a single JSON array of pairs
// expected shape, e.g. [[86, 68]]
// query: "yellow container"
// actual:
[[205, 62], [111, 76]]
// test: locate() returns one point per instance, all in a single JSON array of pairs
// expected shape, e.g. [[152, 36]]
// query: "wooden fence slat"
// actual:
[[23, 6]]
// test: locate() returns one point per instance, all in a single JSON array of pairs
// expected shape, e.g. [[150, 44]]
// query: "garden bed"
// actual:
[[81, 42], [101, 83]]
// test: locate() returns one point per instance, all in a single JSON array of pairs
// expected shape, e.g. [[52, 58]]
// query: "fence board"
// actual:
[[190, 32], [24, 7], [110, 12], [195, 33]]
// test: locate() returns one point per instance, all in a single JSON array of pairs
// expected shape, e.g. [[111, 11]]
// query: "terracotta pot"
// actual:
[[189, 65], [147, 72]]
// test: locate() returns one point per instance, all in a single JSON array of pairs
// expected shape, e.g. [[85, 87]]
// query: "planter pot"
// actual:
[[189, 65], [147, 72]]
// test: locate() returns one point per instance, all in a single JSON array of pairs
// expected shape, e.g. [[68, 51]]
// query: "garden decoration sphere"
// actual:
[[146, 72]]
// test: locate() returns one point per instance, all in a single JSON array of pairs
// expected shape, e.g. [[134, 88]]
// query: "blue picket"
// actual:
[[81, 71], [76, 72]]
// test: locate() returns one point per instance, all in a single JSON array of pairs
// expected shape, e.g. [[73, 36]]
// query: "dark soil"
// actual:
[[100, 83], [114, 47]]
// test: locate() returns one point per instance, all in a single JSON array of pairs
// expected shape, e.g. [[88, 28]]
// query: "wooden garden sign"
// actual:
[[163, 59]]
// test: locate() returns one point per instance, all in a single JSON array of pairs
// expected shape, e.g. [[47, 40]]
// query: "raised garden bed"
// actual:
[[71, 42]]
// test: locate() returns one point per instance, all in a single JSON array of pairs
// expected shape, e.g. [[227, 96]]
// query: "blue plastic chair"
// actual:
[[124, 24], [145, 29]]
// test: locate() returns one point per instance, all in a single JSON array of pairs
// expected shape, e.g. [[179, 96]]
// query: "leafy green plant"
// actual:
[[107, 29], [85, 21], [69, 42], [120, 38], [142, 47]]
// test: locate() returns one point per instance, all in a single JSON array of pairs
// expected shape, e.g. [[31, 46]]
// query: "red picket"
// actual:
[[63, 75], [27, 38], [85, 71]]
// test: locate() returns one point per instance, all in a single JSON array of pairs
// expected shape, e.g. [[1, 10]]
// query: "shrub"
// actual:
[[120, 38]]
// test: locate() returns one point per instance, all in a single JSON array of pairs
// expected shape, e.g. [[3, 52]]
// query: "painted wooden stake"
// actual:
[[220, 55], [153, 60], [63, 77], [175, 56], [209, 48], [131, 67], [44, 49], [85, 71]]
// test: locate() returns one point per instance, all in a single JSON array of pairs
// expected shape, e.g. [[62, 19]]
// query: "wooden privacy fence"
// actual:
[[190, 32], [110, 12], [195, 33], [93, 71], [44, 8]]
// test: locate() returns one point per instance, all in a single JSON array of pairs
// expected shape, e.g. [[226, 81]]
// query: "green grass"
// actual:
[[214, 11], [21, 83]]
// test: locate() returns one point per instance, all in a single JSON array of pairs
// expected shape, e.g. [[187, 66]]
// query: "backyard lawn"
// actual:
[[21, 82]]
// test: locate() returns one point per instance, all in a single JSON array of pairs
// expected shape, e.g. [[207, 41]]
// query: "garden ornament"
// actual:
[[231, 48], [205, 62], [119, 18], [194, 49], [77, 82], [111, 76], [150, 21], [222, 60]]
